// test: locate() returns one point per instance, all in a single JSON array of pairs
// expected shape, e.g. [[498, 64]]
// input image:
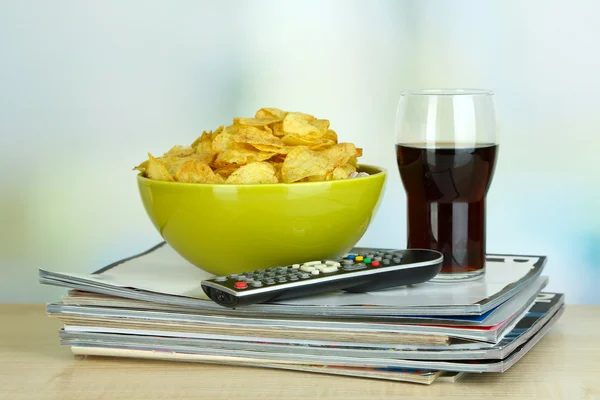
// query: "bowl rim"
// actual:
[[381, 171]]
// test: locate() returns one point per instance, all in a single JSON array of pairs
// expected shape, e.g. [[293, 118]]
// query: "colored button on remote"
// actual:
[[240, 285]]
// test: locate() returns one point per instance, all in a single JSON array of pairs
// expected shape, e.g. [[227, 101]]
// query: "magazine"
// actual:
[[307, 328], [160, 275], [93, 347], [411, 375], [544, 309]]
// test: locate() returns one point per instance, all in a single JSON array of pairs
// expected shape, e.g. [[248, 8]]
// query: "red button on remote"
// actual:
[[375, 264], [240, 285]]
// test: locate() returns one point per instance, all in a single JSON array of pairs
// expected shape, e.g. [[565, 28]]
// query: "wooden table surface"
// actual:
[[564, 365]]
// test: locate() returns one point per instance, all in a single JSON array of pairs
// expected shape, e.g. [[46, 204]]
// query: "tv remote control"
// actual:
[[362, 271]]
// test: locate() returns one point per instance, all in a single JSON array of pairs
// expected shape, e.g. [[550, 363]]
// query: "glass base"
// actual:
[[458, 276]]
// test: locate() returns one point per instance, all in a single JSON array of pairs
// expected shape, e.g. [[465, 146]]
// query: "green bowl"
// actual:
[[226, 228]]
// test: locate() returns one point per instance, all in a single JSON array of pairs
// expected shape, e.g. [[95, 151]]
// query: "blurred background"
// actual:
[[88, 88]]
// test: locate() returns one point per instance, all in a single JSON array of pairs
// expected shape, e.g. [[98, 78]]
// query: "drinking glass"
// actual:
[[446, 149]]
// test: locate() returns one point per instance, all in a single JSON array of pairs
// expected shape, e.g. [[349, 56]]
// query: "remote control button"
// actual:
[[397, 260], [293, 278], [378, 258], [307, 268], [257, 284], [351, 256], [305, 276], [348, 262], [367, 260], [282, 279], [386, 262], [388, 256], [270, 281], [354, 267], [240, 285], [375, 263], [331, 268], [335, 263], [315, 272], [220, 278], [359, 258], [233, 276], [370, 255], [296, 266], [242, 277], [320, 266], [312, 263]]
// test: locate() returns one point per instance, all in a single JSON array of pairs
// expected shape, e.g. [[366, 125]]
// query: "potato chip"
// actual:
[[271, 149], [256, 121], [203, 147], [268, 129], [301, 163], [272, 113], [338, 173], [241, 155], [299, 116], [321, 144], [343, 172], [205, 138], [273, 146], [206, 158], [278, 129], [294, 140], [193, 171], [224, 140], [226, 170], [157, 170], [339, 154], [277, 166], [173, 163], [143, 167], [354, 160], [331, 135], [253, 136], [316, 144], [180, 151], [256, 172], [297, 124]]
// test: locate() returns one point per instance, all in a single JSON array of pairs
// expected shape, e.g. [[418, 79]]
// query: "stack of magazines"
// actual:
[[152, 306]]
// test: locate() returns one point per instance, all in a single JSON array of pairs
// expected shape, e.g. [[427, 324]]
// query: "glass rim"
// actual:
[[447, 92]]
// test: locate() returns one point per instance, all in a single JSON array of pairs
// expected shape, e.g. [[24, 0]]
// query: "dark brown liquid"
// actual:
[[446, 189]]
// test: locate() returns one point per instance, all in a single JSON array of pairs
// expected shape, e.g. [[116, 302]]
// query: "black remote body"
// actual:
[[362, 271]]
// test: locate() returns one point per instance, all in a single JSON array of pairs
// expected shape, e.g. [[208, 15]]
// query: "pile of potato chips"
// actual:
[[273, 147]]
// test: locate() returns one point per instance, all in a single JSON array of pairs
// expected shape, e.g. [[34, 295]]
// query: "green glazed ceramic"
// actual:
[[224, 229]]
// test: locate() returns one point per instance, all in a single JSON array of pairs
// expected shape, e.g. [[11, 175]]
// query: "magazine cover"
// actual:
[[144, 277]]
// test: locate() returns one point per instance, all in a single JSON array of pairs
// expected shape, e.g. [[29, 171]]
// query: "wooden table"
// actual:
[[565, 364]]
